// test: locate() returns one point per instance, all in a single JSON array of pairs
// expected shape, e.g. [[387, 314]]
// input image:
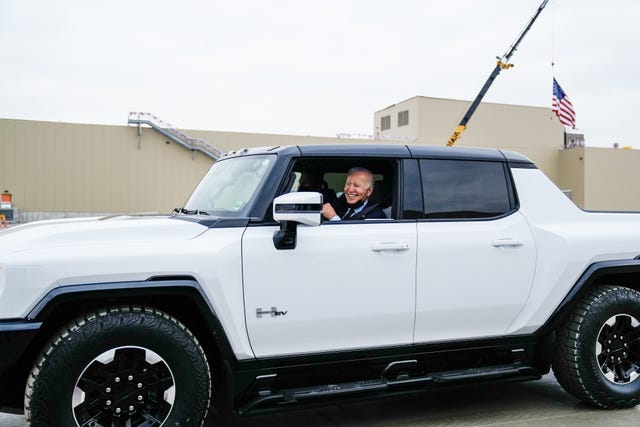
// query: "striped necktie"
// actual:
[[349, 214]]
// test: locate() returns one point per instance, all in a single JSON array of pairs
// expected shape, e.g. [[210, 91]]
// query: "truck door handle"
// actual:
[[506, 242], [389, 246]]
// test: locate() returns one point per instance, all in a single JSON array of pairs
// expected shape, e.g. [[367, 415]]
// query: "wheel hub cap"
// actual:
[[125, 386], [618, 349]]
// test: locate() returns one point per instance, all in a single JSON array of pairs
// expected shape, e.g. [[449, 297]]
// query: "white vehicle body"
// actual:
[[344, 288]]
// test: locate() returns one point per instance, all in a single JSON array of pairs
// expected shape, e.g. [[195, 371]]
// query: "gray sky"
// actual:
[[312, 68]]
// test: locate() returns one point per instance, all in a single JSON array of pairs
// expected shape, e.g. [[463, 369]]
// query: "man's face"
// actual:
[[355, 188]]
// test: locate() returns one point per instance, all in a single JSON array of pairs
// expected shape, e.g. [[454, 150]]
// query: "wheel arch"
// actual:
[[619, 272], [181, 297]]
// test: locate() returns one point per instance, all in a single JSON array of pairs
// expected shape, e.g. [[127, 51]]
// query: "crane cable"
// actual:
[[553, 35]]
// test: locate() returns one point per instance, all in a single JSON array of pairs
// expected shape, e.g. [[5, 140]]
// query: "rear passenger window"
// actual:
[[456, 189]]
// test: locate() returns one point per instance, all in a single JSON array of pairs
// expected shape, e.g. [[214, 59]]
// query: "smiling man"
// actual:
[[357, 190]]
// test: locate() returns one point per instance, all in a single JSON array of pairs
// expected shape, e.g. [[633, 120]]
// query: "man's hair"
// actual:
[[360, 169]]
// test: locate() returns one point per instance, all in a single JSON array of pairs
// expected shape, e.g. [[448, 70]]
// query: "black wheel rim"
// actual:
[[124, 386], [618, 349]]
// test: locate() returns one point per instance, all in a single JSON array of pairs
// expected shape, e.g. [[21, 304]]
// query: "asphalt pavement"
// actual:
[[536, 403]]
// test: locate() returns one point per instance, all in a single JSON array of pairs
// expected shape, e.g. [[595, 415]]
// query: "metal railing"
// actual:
[[174, 134]]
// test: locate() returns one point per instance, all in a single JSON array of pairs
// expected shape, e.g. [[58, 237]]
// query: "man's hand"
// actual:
[[328, 211]]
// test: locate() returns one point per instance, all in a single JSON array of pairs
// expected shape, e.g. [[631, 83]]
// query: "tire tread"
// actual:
[[567, 359], [37, 378]]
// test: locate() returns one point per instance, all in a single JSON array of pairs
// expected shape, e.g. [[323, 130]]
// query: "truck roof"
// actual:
[[389, 150]]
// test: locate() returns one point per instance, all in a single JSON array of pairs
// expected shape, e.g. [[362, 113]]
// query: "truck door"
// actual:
[[476, 253], [346, 285]]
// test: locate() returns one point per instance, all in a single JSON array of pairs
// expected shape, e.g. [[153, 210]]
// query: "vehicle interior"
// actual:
[[328, 176]]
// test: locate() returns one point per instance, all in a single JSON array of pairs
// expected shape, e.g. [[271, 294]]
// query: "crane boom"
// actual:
[[502, 64]]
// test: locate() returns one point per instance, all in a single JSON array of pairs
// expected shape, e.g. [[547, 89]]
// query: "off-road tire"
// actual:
[[73, 357], [575, 363]]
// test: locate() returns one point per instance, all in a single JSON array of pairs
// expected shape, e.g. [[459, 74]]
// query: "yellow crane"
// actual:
[[502, 64]]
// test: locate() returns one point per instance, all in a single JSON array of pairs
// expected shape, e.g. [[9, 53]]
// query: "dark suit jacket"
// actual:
[[371, 210]]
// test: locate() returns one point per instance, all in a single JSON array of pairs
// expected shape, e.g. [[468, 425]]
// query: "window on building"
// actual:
[[385, 122], [455, 189], [403, 118]]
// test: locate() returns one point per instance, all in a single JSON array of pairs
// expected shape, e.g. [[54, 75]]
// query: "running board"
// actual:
[[268, 398]]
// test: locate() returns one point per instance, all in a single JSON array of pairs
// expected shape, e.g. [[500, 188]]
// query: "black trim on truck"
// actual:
[[517, 160], [214, 222], [22, 340], [458, 153], [261, 210], [156, 287], [596, 273], [521, 165], [387, 371], [364, 150], [15, 337]]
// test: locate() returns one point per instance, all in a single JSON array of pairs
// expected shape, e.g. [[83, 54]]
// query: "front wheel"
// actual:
[[598, 354], [124, 366]]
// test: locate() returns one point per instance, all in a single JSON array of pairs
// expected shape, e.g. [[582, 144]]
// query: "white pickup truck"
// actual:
[[245, 299]]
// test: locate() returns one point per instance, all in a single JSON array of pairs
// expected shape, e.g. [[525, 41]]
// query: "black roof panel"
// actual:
[[390, 150], [514, 157], [261, 150], [368, 150], [458, 153]]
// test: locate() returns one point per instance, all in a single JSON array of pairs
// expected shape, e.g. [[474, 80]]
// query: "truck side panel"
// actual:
[[569, 240]]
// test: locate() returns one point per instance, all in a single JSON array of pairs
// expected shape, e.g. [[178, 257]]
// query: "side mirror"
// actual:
[[303, 207], [292, 209]]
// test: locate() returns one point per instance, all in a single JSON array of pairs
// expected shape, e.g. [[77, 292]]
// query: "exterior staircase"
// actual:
[[174, 134]]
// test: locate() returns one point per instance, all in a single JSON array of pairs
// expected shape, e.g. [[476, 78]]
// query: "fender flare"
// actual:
[[590, 277], [186, 287]]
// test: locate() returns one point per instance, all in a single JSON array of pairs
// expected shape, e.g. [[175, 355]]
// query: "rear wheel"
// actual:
[[598, 354], [125, 366]]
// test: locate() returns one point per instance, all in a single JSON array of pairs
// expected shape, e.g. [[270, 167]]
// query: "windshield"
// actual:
[[230, 185]]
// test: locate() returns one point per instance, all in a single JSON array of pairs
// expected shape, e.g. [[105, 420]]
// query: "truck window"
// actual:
[[455, 189], [230, 184]]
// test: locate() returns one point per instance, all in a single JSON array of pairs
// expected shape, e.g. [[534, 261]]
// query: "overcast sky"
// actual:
[[312, 67]]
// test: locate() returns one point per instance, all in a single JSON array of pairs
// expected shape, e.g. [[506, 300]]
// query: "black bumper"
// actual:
[[15, 338]]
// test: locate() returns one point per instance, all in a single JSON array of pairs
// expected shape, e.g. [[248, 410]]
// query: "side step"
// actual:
[[267, 398], [480, 373]]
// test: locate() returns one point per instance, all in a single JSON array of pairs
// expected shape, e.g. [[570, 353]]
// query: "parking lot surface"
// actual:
[[537, 403]]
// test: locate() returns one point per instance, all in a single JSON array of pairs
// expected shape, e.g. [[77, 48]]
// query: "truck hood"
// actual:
[[88, 231]]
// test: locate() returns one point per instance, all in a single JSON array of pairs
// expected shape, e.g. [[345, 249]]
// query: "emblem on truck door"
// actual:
[[273, 312]]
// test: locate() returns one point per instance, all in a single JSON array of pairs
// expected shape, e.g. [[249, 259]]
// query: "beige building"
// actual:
[[602, 178], [74, 169], [63, 169]]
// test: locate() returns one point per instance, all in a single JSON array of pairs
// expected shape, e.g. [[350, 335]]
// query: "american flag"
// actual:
[[562, 107]]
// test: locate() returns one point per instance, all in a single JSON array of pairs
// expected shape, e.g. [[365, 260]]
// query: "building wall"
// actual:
[[407, 132], [572, 174], [64, 167], [611, 177], [602, 178]]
